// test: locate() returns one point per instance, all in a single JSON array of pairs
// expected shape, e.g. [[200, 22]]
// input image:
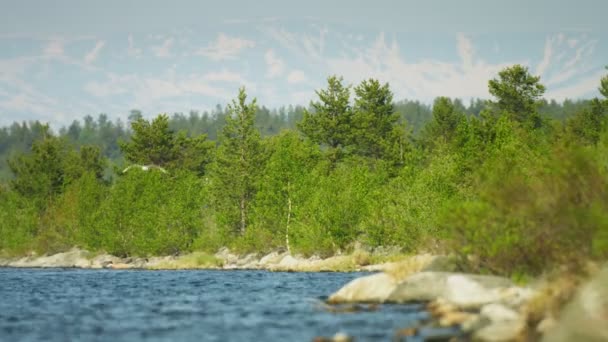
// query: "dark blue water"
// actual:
[[104, 305]]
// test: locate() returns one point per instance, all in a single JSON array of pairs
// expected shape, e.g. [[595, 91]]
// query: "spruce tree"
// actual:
[[329, 122], [375, 131]]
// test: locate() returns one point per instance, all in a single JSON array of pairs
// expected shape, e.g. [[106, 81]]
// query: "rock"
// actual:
[[546, 325], [516, 296], [439, 334], [499, 313], [289, 262], [250, 261], [474, 323], [338, 337], [120, 266], [440, 307], [271, 259], [465, 291], [585, 318], [5, 262], [24, 262], [498, 323], [138, 263], [405, 332], [502, 331], [456, 318], [160, 262], [104, 261], [72, 258], [378, 267], [372, 288], [228, 257]]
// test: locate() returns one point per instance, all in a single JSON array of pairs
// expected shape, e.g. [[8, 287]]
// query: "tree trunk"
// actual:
[[288, 218], [243, 215]]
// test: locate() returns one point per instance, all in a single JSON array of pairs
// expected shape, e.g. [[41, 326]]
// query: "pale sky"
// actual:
[[61, 60]]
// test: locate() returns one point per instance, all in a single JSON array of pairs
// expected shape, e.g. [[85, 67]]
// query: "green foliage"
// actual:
[[50, 166], [587, 125], [154, 143], [331, 217], [18, 223], [238, 165], [329, 122], [285, 184], [70, 219], [511, 182], [517, 93], [375, 132], [151, 213], [604, 86], [533, 211], [443, 127]]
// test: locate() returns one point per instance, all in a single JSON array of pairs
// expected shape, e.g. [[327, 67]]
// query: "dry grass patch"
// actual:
[[196, 260], [400, 270]]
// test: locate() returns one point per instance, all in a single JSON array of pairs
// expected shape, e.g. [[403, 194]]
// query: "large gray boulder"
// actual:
[[73, 258], [499, 323], [459, 289], [464, 291], [375, 288]]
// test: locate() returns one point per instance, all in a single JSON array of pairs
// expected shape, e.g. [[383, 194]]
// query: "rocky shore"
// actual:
[[223, 259], [489, 308]]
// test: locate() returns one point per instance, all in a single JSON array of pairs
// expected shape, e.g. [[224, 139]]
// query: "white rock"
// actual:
[[546, 325], [500, 331], [372, 288], [72, 258], [228, 257], [289, 262], [499, 313], [105, 260], [271, 259], [463, 290], [248, 261]]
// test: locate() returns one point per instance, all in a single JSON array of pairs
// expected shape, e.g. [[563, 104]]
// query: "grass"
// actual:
[[195, 260]]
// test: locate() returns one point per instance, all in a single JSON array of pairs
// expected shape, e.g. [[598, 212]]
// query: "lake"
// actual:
[[112, 305]]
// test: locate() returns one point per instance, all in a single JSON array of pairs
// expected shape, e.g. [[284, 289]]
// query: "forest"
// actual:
[[517, 181]]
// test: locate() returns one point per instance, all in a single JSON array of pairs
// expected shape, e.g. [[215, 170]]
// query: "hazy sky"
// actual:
[[61, 60]]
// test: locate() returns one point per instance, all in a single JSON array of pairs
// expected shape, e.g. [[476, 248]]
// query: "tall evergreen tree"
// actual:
[[374, 121], [239, 163], [155, 143], [51, 165], [329, 122], [517, 93], [446, 119], [587, 125]]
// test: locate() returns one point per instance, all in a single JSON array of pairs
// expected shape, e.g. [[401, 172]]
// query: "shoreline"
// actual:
[[222, 260]]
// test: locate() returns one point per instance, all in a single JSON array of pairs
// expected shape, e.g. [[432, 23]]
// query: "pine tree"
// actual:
[[517, 94], [155, 143], [329, 122], [375, 130]]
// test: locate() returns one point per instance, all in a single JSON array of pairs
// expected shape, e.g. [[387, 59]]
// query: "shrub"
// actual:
[[535, 211]]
